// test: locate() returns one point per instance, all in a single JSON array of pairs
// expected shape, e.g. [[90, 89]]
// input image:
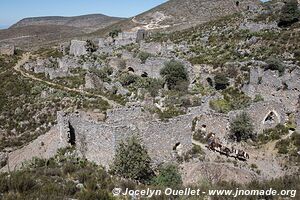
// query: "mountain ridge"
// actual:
[[82, 21]]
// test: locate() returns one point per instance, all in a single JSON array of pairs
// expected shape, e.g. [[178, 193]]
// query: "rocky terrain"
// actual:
[[37, 31], [69, 111]]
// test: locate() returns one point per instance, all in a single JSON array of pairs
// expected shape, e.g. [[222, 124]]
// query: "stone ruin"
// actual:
[[97, 141], [270, 86], [78, 48], [7, 49], [53, 67], [264, 115]]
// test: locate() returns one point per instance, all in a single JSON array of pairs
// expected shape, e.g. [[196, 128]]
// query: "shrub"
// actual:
[[258, 98], [289, 14], [220, 105], [283, 146], [275, 64], [169, 176], [132, 161], [22, 181], [273, 133], [236, 98], [121, 65], [128, 79], [143, 56], [170, 112], [114, 33], [175, 74], [221, 81], [90, 46], [103, 73], [241, 127]]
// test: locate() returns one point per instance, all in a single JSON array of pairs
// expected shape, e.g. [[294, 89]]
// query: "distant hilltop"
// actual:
[[95, 21]]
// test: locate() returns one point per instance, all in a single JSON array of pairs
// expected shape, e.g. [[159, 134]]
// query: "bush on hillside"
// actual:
[[175, 74], [132, 161], [289, 14], [241, 127], [168, 176], [221, 81]]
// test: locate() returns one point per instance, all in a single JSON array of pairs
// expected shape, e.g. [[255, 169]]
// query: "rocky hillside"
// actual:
[[34, 32], [176, 15], [95, 21], [214, 106], [181, 13]]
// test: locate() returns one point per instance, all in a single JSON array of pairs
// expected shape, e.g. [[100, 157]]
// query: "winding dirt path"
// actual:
[[26, 57]]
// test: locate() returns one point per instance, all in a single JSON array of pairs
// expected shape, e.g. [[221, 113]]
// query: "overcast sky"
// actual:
[[12, 11]]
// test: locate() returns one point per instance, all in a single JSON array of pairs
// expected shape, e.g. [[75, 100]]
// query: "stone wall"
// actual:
[[272, 87], [213, 123], [264, 115], [97, 141], [78, 48]]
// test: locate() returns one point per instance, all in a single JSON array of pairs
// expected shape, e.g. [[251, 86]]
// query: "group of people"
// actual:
[[214, 144]]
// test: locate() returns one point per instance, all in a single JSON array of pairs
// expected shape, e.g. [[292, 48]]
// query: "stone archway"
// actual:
[[178, 149], [130, 69], [144, 75], [271, 118]]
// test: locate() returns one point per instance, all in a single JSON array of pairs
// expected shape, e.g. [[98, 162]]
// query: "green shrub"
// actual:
[[115, 32], [169, 113], [221, 81], [220, 105], [275, 64], [103, 73], [168, 176], [283, 146], [289, 13], [236, 98], [175, 75], [241, 128], [128, 79], [132, 161], [22, 181], [143, 56], [258, 98], [273, 133], [69, 168]]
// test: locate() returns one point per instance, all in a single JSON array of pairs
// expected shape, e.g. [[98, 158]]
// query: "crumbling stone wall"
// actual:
[[272, 87], [97, 141], [78, 48], [213, 123], [264, 115]]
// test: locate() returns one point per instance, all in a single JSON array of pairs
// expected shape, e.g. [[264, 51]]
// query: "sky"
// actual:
[[12, 11]]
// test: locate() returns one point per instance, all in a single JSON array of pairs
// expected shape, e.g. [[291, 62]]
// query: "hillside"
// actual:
[[94, 21], [176, 15], [215, 106], [34, 32]]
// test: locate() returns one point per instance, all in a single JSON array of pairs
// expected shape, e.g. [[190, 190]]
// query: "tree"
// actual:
[[90, 46], [221, 81], [169, 176], [114, 33], [175, 75], [132, 161], [241, 127], [289, 14]]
